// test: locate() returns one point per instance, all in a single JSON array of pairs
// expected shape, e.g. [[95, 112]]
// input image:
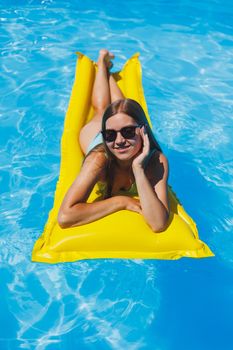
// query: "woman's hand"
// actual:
[[131, 204], [138, 162]]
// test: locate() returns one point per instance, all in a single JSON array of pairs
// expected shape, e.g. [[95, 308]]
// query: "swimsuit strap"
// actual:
[[97, 140], [132, 191]]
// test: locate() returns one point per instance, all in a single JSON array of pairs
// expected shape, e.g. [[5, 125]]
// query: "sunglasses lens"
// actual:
[[109, 135], [128, 132]]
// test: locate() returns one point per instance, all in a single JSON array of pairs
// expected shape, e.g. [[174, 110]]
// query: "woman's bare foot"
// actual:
[[105, 57]]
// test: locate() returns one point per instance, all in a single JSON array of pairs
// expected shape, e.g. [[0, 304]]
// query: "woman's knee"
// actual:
[[98, 112]]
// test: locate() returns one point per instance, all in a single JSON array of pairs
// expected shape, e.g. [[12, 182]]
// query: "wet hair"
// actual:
[[134, 110]]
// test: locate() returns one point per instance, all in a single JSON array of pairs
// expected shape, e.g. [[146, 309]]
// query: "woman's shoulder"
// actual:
[[96, 156], [158, 157], [96, 162], [162, 158]]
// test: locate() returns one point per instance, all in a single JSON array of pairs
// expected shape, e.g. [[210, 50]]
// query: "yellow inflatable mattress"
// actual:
[[123, 234]]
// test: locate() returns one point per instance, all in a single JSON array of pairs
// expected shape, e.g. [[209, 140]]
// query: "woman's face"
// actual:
[[123, 148]]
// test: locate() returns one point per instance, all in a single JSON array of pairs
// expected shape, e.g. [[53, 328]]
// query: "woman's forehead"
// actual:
[[119, 120]]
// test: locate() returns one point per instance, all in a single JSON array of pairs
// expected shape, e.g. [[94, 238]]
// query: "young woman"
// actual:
[[122, 155]]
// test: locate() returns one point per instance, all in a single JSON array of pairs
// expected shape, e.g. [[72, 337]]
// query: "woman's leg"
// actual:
[[101, 98], [115, 91]]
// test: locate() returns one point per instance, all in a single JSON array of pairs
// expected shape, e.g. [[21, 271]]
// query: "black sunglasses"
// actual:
[[128, 132]]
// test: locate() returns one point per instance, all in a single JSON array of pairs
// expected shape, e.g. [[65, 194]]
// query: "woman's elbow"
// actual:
[[160, 226], [63, 220], [158, 229]]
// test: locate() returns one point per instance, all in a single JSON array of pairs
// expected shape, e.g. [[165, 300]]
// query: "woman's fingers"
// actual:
[[145, 138], [139, 160], [133, 204]]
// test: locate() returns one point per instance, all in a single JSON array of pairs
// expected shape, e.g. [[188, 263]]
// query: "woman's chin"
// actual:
[[125, 153]]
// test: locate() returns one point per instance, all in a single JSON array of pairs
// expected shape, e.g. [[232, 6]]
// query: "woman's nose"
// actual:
[[119, 139]]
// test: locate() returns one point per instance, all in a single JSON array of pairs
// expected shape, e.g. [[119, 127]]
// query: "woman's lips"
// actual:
[[122, 149]]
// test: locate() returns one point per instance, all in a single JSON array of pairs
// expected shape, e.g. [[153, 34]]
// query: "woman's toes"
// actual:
[[106, 56], [111, 55], [103, 53], [109, 65]]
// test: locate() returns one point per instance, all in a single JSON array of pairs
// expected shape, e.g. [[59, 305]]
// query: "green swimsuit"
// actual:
[[131, 192]]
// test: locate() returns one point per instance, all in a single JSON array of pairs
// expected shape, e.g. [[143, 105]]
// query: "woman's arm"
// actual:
[[153, 198], [74, 210], [84, 213]]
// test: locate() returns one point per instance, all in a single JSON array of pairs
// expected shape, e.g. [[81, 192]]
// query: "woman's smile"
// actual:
[[122, 149]]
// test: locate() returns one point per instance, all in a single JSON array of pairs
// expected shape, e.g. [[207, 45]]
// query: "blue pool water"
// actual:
[[186, 52]]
